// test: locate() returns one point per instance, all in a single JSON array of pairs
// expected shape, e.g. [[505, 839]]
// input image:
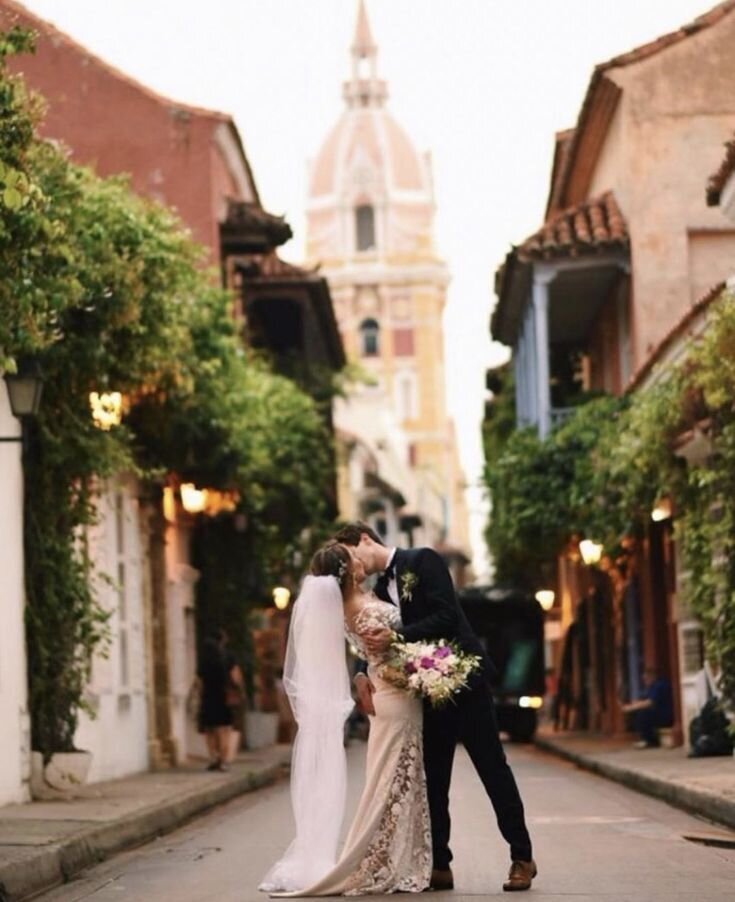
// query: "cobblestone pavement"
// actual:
[[595, 840]]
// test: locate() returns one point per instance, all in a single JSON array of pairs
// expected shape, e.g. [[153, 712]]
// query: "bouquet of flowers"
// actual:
[[432, 670]]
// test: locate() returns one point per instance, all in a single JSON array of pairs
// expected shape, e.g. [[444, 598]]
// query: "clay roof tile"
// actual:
[[590, 227]]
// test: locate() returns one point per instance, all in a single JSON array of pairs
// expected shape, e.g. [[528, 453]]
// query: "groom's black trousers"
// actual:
[[470, 719]]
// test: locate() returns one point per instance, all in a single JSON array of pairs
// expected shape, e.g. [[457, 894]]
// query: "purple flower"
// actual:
[[410, 667], [427, 663], [443, 651]]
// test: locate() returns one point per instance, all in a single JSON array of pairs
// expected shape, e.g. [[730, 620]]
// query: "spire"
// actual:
[[363, 45], [364, 89]]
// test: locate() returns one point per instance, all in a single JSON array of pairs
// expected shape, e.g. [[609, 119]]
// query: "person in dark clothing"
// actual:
[[654, 711], [218, 675], [418, 582]]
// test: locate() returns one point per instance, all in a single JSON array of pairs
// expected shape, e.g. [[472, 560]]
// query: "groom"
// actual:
[[418, 581]]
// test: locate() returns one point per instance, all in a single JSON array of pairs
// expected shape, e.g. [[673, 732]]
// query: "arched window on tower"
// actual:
[[369, 338], [365, 227]]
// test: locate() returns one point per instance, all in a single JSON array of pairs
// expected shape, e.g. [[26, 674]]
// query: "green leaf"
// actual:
[[12, 198]]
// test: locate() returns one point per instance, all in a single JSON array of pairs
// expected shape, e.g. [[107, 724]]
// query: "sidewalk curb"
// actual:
[[707, 805], [57, 863]]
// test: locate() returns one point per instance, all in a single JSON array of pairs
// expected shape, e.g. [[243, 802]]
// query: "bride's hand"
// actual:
[[364, 689]]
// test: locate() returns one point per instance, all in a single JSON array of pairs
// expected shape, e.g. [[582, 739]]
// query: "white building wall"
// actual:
[[15, 733], [118, 735]]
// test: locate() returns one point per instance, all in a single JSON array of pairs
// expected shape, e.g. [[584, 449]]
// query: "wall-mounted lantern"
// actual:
[[591, 552], [24, 393], [281, 597], [545, 597], [662, 510], [193, 499]]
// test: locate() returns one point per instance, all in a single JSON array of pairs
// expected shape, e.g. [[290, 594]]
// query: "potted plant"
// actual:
[[261, 720], [65, 622]]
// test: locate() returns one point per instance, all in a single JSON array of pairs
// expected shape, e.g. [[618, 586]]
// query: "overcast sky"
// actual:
[[483, 84]]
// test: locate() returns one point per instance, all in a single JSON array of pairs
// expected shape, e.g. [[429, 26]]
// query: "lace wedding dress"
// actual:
[[388, 847]]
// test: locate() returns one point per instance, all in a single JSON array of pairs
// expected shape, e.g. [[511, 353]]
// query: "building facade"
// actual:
[[628, 244], [15, 735], [193, 161], [370, 218], [601, 298]]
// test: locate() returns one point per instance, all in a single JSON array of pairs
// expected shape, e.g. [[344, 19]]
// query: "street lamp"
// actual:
[[591, 552], [545, 597], [24, 391]]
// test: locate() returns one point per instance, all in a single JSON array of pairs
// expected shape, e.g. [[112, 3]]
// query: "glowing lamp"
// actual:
[[106, 409], [545, 597], [193, 499], [281, 597], [661, 510], [530, 701], [591, 551]]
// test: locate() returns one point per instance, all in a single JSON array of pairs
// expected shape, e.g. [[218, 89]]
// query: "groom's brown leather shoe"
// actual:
[[521, 876], [442, 879]]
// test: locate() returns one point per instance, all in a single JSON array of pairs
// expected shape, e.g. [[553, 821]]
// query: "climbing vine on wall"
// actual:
[[108, 292], [601, 472]]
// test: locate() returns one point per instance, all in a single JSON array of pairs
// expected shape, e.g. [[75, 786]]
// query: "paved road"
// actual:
[[594, 841]]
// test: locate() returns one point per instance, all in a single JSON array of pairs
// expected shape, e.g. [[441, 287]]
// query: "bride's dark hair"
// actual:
[[333, 559]]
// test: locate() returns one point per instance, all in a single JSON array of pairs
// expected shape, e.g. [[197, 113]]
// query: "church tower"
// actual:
[[370, 218]]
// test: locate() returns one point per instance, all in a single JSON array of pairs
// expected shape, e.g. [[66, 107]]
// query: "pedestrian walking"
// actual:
[[221, 689]]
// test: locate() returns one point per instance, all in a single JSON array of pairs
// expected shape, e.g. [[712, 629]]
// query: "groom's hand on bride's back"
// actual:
[[378, 640], [364, 690]]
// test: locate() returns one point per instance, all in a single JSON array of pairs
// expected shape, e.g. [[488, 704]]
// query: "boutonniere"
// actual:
[[409, 581]]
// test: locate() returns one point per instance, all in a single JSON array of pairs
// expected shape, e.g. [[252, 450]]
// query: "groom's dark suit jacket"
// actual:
[[431, 609]]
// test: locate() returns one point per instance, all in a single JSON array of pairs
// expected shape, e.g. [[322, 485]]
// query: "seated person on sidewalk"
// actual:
[[654, 710]]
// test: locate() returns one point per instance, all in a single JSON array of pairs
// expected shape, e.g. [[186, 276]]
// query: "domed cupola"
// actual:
[[370, 191]]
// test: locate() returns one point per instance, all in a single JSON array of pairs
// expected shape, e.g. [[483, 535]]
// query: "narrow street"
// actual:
[[594, 840]]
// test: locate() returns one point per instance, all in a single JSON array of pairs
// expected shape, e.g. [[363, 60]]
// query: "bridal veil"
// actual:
[[317, 682]]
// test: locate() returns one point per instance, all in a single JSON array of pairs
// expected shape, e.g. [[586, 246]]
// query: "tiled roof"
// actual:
[[13, 12], [595, 226], [677, 331], [718, 181], [590, 227], [248, 228], [602, 95], [706, 20]]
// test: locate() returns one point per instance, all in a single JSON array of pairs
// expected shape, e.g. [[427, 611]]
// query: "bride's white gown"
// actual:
[[388, 847]]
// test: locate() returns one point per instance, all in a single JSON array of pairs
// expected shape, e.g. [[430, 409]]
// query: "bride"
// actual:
[[388, 847]]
